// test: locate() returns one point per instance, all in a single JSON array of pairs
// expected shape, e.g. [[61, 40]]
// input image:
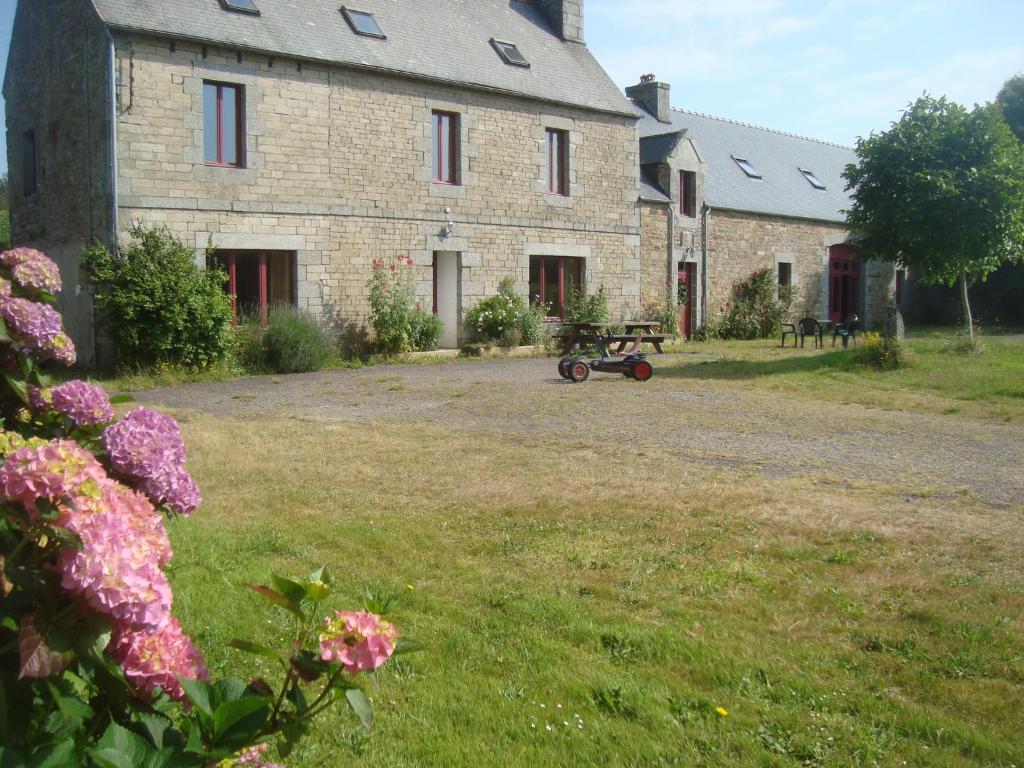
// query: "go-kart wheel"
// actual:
[[642, 371], [578, 371], [563, 366]]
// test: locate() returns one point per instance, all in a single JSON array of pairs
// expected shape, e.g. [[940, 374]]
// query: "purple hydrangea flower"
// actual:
[[84, 403], [61, 349], [32, 325], [5, 288], [144, 444], [40, 398], [37, 274], [15, 256], [175, 489]]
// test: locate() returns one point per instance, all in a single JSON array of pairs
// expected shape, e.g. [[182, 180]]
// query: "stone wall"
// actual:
[[655, 241], [58, 87], [338, 170], [741, 243]]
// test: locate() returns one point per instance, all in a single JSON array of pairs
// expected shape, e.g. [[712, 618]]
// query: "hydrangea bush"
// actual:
[[95, 670]]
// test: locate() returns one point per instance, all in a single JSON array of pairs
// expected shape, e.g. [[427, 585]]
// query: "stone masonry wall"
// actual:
[[57, 86], [656, 269], [338, 170], [740, 243]]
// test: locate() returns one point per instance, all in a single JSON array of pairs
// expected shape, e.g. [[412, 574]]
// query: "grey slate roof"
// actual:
[[650, 189], [778, 157], [445, 40]]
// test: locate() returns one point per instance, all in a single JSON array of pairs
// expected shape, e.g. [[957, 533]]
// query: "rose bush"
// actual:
[[94, 668]]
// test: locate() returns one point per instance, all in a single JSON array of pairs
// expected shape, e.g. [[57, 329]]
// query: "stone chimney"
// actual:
[[652, 96], [566, 16]]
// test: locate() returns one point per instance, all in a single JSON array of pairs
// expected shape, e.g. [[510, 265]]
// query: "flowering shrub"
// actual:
[[753, 311], [94, 668], [581, 308], [399, 323], [884, 353], [506, 318]]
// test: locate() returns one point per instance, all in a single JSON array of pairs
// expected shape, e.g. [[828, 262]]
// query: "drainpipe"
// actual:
[[114, 224], [704, 265]]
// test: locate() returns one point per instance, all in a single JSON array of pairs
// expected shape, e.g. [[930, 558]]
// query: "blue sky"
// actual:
[[830, 69]]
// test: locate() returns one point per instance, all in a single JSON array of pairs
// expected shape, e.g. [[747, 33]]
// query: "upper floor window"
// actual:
[[746, 167], [510, 54], [28, 163], [222, 124], [445, 147], [245, 6], [556, 162], [688, 193]]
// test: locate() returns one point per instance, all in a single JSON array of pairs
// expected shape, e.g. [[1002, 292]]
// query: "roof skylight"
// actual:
[[245, 6], [814, 180], [746, 167], [510, 54], [362, 23]]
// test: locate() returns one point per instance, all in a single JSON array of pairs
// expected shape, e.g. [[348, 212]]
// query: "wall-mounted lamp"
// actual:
[[449, 225]]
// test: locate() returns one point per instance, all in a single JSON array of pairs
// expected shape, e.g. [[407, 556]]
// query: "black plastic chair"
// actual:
[[846, 330], [811, 327], [789, 329]]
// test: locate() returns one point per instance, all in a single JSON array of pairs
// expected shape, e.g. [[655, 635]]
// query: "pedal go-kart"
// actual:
[[633, 365]]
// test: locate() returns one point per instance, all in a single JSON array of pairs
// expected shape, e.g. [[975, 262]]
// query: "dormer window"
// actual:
[[363, 23], [242, 6], [814, 181], [510, 54], [746, 167]]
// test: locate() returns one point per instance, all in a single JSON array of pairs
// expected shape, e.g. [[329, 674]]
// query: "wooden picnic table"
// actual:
[[580, 335]]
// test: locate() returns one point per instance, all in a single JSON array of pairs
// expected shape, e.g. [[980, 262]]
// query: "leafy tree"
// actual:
[[1011, 99], [940, 193]]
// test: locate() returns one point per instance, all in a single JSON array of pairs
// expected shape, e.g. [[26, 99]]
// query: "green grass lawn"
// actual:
[[571, 618]]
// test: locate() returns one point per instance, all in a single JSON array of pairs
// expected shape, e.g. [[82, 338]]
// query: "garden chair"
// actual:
[[846, 330], [789, 329], [811, 327]]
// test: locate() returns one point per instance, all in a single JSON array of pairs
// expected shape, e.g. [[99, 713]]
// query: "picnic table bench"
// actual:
[[581, 335]]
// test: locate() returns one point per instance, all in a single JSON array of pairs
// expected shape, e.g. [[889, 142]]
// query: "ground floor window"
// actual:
[[551, 279], [257, 280]]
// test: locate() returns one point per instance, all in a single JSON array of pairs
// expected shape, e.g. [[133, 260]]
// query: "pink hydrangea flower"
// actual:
[[156, 658], [40, 398], [84, 403], [358, 639], [15, 256], [56, 471], [5, 288], [61, 349], [176, 489], [32, 326], [253, 757], [37, 273]]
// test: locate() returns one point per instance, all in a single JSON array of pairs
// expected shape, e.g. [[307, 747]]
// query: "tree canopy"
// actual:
[[1011, 99], [940, 193]]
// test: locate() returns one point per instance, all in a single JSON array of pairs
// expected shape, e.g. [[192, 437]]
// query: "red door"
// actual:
[[843, 282], [685, 298]]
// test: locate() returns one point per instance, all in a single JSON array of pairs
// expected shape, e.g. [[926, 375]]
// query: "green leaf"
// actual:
[[121, 398], [123, 747], [18, 386], [198, 693], [292, 590], [60, 755], [361, 706], [227, 690], [405, 645], [256, 649], [277, 599], [11, 759], [245, 717]]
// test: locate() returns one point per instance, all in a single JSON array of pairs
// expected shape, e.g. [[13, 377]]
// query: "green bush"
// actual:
[[157, 306], [581, 308], [666, 312], [532, 328], [294, 342], [425, 330], [248, 355], [753, 310], [884, 353], [494, 317]]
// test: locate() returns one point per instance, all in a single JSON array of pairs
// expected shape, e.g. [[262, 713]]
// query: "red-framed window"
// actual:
[[445, 142], [785, 274], [223, 118], [257, 281], [688, 194], [556, 163], [28, 163], [551, 279]]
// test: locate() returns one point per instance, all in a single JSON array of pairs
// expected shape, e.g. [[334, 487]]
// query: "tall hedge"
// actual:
[[156, 304]]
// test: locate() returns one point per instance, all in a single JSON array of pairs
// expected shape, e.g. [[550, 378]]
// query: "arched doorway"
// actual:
[[844, 270]]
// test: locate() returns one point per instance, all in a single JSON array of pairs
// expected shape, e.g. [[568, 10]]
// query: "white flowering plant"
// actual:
[[95, 670]]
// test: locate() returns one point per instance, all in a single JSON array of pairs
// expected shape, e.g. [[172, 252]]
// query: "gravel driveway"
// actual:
[[718, 423]]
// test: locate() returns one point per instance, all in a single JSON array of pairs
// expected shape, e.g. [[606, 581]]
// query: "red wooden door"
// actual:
[[685, 298], [843, 282]]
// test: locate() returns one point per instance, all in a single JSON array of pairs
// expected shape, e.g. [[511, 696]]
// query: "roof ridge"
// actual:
[[761, 128]]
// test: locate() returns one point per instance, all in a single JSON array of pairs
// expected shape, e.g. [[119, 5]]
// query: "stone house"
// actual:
[[298, 142], [721, 199]]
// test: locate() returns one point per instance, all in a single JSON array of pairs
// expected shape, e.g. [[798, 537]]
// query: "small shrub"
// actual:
[[157, 305], [511, 339], [532, 327], [495, 316], [753, 310], [966, 346], [666, 312], [425, 330], [248, 354], [581, 308], [294, 342], [884, 353]]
